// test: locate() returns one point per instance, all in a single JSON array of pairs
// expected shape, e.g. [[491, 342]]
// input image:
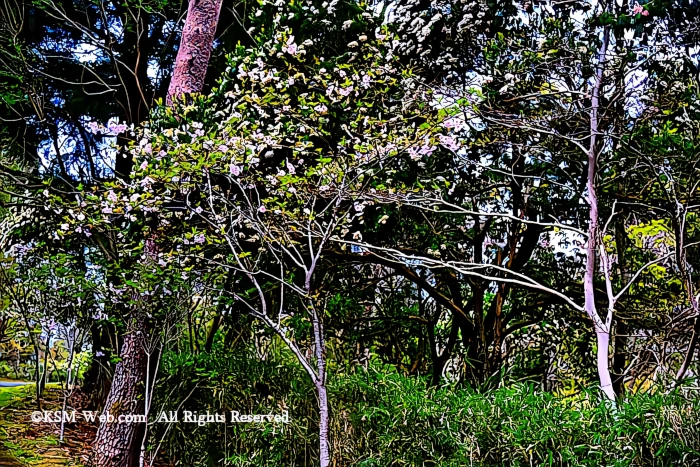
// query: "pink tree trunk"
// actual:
[[117, 444], [195, 48]]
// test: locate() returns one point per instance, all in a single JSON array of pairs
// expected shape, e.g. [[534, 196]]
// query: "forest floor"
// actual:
[[25, 443]]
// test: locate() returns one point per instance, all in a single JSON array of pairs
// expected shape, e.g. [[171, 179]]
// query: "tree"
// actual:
[[276, 173], [553, 121], [196, 43]]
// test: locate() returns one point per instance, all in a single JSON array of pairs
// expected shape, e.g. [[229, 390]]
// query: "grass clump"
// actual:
[[383, 418]]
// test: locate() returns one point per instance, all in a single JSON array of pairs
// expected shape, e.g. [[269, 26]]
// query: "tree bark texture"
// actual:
[[325, 457], [195, 48], [118, 444], [323, 422]]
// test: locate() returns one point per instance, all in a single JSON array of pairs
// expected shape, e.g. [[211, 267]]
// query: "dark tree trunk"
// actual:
[[475, 338], [619, 362], [37, 377], [133, 94], [45, 374], [218, 320], [439, 360], [97, 378], [215, 325], [686, 273]]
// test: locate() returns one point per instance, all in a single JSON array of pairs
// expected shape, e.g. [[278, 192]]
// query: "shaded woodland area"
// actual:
[[459, 232]]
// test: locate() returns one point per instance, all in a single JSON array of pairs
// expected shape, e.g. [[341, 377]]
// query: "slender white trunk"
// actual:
[[154, 354], [324, 451], [603, 357], [602, 329]]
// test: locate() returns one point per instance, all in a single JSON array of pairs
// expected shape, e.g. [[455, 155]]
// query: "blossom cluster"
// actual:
[[112, 128]]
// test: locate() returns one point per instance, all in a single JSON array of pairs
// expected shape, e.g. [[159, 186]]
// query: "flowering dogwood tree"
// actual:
[[270, 169]]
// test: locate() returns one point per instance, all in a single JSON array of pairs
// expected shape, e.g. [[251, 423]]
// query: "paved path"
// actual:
[[12, 384]]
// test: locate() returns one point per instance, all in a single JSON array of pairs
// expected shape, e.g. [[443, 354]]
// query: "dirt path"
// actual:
[[36, 442]]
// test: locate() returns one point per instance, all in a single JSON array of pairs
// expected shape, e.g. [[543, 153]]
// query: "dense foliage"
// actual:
[[383, 418], [435, 233]]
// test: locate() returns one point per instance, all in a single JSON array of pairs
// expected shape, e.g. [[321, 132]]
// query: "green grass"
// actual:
[[381, 418], [14, 394]]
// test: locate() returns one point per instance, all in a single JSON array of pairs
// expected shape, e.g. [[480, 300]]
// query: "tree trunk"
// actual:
[[152, 365], [218, 320], [439, 360], [45, 373], [603, 358], [97, 378], [37, 377], [602, 329], [682, 261], [195, 48], [319, 343], [211, 335], [324, 450], [69, 375], [320, 380], [619, 360], [690, 353], [119, 444]]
